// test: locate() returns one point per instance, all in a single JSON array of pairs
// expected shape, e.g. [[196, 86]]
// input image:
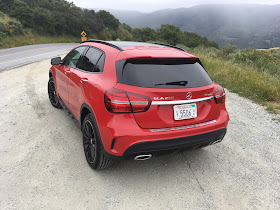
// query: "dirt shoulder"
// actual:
[[42, 164]]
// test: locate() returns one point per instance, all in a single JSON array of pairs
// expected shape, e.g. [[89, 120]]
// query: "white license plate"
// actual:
[[185, 111]]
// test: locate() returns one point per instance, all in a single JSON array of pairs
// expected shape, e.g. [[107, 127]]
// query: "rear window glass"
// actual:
[[162, 73]]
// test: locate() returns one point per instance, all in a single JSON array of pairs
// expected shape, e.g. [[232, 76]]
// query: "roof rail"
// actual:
[[104, 42], [172, 46]]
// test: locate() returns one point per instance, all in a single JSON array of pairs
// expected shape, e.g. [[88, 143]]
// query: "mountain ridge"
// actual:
[[245, 26]]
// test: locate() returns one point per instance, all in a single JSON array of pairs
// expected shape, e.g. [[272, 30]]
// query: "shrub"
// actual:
[[226, 51], [9, 26], [261, 60]]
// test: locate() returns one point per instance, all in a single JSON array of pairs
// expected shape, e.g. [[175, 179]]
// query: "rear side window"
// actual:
[[90, 61], [162, 73], [101, 61]]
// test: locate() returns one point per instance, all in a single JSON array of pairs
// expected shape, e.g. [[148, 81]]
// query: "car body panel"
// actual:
[[120, 131], [62, 81], [78, 82]]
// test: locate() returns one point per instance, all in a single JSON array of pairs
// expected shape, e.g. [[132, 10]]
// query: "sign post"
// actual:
[[84, 38]]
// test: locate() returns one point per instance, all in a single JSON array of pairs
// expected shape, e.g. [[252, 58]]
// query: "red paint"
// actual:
[[130, 123]]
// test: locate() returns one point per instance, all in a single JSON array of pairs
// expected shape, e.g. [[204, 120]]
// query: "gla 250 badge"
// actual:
[[188, 96], [164, 98]]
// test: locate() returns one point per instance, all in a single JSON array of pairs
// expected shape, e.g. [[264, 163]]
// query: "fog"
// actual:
[[150, 6]]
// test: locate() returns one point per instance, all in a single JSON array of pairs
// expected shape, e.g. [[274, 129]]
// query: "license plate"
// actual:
[[185, 111]]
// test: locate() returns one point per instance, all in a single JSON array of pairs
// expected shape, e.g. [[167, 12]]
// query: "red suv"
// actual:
[[136, 100]]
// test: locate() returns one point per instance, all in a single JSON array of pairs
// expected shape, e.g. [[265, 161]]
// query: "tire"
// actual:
[[52, 94], [93, 148]]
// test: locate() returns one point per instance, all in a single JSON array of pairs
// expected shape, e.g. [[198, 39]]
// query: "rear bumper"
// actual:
[[170, 145], [122, 137]]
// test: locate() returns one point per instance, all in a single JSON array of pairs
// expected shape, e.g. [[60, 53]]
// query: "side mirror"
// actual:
[[56, 61]]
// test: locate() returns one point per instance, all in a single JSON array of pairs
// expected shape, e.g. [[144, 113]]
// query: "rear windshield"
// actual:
[[162, 73]]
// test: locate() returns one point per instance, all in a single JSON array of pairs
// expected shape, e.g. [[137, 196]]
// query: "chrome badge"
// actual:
[[189, 95], [164, 98]]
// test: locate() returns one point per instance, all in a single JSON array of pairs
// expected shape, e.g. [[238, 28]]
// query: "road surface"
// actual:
[[42, 165], [18, 56]]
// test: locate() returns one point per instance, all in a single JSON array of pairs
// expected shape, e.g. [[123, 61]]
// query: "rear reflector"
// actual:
[[219, 95], [119, 101]]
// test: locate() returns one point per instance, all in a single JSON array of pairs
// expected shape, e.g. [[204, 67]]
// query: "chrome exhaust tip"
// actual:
[[143, 157], [217, 141]]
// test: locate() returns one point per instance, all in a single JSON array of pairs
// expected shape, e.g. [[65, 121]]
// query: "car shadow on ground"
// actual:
[[168, 163]]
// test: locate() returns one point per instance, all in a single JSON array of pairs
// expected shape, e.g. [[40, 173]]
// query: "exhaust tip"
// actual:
[[217, 141], [143, 157]]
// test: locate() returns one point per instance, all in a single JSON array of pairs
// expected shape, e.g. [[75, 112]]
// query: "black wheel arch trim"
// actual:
[[50, 73], [84, 105]]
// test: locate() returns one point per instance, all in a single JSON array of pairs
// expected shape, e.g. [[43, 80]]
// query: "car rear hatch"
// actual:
[[180, 90]]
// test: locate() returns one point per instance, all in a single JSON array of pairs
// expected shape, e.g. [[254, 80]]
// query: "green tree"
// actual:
[[43, 21], [170, 33], [144, 34], [23, 13], [127, 27], [6, 6], [92, 23], [59, 23], [108, 19]]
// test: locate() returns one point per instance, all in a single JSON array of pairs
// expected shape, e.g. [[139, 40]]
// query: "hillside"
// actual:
[[244, 26], [24, 22], [59, 17]]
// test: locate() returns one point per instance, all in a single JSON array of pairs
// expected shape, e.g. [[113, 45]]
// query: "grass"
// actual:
[[273, 108], [29, 38], [4, 18], [245, 80]]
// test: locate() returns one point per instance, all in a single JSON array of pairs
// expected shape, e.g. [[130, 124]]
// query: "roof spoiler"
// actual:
[[104, 42], [172, 46]]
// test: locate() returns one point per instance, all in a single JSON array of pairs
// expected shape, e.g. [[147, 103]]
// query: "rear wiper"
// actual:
[[180, 83]]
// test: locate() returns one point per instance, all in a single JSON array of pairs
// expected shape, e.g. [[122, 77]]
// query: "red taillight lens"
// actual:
[[139, 103], [219, 95], [119, 101]]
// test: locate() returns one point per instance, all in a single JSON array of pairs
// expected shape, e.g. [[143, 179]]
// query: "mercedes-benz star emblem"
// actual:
[[189, 95]]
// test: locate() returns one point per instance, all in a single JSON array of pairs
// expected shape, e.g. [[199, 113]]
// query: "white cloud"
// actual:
[[153, 5]]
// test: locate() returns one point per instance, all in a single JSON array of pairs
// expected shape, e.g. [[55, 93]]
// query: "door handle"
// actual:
[[67, 72], [83, 80]]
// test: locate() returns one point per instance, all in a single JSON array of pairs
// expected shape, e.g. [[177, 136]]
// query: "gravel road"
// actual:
[[42, 165]]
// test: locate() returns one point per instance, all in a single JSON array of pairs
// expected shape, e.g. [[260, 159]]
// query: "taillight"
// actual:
[[219, 95], [119, 101]]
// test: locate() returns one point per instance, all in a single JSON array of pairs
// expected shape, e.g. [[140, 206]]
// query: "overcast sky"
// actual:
[[153, 5]]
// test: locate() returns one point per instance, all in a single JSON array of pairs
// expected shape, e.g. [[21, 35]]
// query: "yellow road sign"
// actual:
[[84, 38]]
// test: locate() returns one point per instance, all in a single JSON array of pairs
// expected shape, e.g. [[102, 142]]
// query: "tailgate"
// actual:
[[161, 113]]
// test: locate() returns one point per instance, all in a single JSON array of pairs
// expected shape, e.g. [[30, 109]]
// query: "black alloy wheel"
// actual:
[[89, 142], [52, 94], [92, 143]]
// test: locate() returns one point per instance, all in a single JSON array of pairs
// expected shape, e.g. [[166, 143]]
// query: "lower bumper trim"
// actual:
[[170, 145]]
